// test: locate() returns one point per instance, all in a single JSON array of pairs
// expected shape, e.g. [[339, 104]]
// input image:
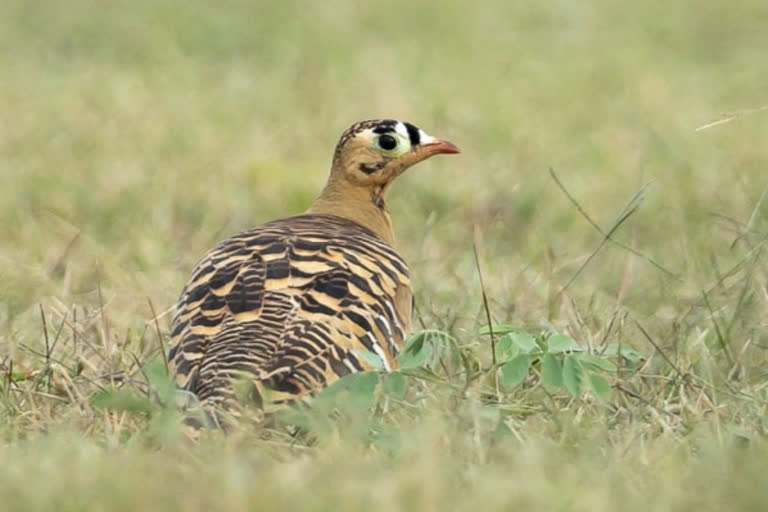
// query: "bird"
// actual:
[[291, 306]]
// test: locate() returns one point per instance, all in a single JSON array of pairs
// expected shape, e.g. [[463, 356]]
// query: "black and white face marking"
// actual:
[[394, 138], [370, 129]]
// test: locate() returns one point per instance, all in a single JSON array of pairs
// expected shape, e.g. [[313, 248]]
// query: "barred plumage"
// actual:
[[291, 305]]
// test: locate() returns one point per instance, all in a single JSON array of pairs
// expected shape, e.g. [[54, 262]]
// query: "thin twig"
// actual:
[[45, 357], [680, 374], [718, 332], [45, 337], [485, 305], [76, 334], [64, 365], [58, 334], [636, 396], [731, 117], [10, 377], [42, 394], [751, 221], [105, 325], [47, 369], [159, 335], [743, 297], [735, 268], [144, 374], [629, 209], [74, 331]]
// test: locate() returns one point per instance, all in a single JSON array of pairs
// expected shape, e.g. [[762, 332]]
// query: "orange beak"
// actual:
[[441, 146]]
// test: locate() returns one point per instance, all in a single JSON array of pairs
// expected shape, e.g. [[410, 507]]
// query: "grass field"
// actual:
[[134, 135]]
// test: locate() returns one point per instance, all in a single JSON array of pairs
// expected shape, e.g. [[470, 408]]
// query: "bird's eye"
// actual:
[[387, 142]]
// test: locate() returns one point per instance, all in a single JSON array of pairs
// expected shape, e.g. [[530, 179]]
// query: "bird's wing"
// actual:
[[290, 306]]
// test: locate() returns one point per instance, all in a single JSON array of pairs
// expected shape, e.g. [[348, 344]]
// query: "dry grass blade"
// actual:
[[731, 117], [720, 338], [658, 349], [748, 226], [485, 305], [159, 334], [629, 209]]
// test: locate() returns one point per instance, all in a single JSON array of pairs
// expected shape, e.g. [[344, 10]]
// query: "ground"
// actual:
[[612, 183]]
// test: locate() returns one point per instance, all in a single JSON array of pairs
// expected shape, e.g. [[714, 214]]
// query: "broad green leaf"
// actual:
[[498, 329], [506, 349], [573, 375], [600, 386], [627, 353], [369, 357], [416, 351], [360, 381], [356, 390], [524, 341], [551, 372], [415, 342], [436, 336], [422, 373], [395, 385], [515, 371], [599, 362], [161, 383], [559, 343], [121, 400], [408, 360], [443, 345]]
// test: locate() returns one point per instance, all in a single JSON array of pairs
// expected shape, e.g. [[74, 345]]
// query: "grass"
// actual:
[[136, 135]]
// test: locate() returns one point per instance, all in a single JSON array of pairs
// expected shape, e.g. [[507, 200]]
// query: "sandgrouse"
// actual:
[[288, 306]]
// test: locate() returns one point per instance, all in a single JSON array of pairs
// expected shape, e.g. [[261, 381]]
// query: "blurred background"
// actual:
[[134, 135]]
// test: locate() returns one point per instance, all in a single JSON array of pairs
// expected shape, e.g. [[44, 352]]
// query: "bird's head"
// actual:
[[373, 153], [368, 157]]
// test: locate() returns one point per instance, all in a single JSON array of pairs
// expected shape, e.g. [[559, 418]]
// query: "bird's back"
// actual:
[[289, 306]]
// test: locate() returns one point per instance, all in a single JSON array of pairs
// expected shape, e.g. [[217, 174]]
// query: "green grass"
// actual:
[[134, 135]]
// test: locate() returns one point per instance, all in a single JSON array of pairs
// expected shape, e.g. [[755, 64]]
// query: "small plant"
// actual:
[[157, 401], [552, 359], [559, 360]]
